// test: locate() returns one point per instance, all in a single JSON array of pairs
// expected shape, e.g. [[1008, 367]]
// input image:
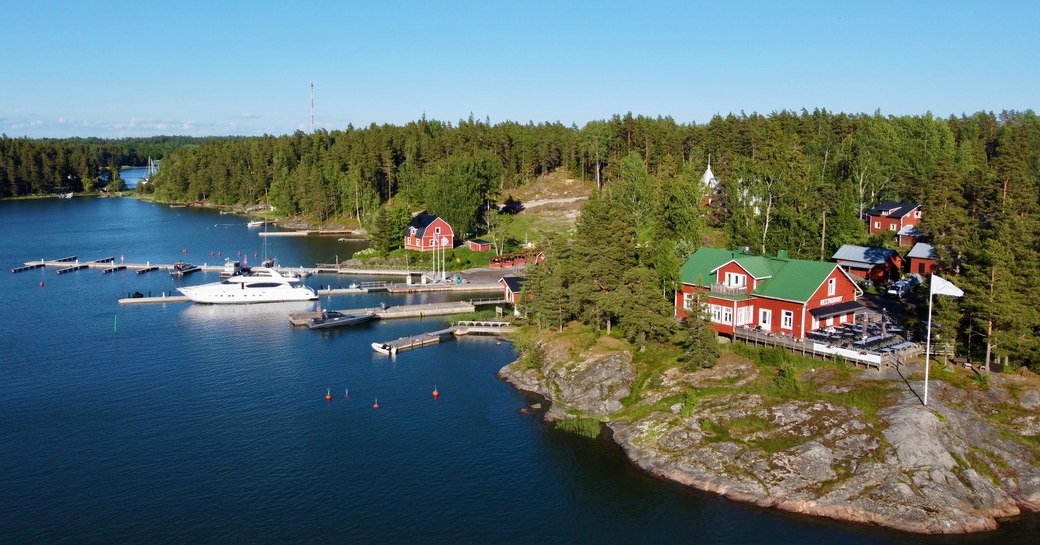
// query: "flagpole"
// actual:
[[928, 341]]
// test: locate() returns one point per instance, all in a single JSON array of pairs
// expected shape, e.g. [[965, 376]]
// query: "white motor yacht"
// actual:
[[261, 285]]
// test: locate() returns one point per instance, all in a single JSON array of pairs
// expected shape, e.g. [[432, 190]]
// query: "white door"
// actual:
[[765, 318]]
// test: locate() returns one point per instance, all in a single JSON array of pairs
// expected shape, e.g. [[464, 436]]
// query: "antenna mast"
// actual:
[[312, 105]]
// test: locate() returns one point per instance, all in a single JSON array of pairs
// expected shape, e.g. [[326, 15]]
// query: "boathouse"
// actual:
[[427, 232], [869, 262], [901, 218], [922, 259], [511, 286], [774, 294]]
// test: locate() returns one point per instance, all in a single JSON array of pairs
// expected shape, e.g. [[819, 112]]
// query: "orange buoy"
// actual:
[[436, 394], [328, 394], [376, 404]]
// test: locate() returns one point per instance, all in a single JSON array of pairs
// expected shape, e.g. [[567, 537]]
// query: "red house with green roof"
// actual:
[[777, 294]]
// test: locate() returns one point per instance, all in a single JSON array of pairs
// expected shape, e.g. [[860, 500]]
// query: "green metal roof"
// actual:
[[790, 279]]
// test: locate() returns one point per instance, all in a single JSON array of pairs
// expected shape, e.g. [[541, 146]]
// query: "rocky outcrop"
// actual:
[[939, 469]]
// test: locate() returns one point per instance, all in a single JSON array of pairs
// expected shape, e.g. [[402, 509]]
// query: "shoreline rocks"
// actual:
[[941, 469]]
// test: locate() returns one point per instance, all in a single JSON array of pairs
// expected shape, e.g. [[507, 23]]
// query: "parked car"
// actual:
[[899, 288]]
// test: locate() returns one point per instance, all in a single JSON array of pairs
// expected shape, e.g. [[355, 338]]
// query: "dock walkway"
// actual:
[[434, 337]]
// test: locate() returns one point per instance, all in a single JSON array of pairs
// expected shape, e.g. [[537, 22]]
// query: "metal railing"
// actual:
[[723, 289]]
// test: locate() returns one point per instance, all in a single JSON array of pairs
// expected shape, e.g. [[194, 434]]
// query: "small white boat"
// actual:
[[256, 223], [385, 349]]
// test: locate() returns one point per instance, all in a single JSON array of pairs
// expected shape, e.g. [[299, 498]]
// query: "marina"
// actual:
[[300, 319]]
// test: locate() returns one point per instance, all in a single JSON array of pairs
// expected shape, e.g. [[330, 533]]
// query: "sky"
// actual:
[[137, 68]]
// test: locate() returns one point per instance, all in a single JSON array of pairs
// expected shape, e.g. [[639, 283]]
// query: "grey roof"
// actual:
[[922, 250], [910, 231], [863, 254], [893, 209], [514, 283], [420, 221]]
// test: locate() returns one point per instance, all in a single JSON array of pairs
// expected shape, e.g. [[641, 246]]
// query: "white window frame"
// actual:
[[687, 300], [736, 280], [832, 287], [844, 318], [436, 230], [893, 227], [727, 315], [877, 225], [745, 315], [786, 319]]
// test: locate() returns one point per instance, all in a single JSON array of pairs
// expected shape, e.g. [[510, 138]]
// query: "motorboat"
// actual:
[[182, 268], [261, 285], [332, 318], [384, 348], [256, 223], [231, 268]]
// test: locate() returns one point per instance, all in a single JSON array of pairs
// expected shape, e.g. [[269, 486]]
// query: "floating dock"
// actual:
[[152, 300], [113, 269], [435, 337]]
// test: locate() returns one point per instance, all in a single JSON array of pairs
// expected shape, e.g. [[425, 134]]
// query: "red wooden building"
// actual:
[[426, 233], [922, 259], [901, 218], [478, 245], [515, 259], [511, 286], [778, 294], [869, 262]]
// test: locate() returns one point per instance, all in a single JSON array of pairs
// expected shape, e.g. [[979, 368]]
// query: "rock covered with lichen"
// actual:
[[958, 465]]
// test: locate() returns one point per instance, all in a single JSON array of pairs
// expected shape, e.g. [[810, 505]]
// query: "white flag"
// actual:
[[941, 286]]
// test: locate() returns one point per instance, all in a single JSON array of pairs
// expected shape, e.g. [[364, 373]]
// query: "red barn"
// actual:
[[901, 218], [425, 233], [922, 259], [790, 296]]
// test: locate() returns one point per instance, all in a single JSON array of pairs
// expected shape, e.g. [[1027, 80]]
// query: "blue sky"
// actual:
[[112, 69]]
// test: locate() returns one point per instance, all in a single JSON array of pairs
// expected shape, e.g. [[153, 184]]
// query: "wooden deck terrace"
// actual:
[[890, 357]]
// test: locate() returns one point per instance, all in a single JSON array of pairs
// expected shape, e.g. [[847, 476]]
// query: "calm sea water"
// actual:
[[206, 424]]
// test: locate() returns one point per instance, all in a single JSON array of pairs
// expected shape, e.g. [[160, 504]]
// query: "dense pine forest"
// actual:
[[52, 165], [793, 181]]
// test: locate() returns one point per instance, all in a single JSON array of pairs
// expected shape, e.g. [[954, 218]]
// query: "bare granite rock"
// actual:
[[939, 469]]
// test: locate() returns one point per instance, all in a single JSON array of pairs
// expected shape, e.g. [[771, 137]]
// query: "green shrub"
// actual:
[[585, 427]]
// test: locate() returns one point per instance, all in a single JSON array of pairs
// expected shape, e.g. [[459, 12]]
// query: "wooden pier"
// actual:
[[434, 337]]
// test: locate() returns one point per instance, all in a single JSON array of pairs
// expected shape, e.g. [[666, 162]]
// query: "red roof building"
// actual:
[[426, 233], [901, 218], [922, 259], [777, 294], [869, 263]]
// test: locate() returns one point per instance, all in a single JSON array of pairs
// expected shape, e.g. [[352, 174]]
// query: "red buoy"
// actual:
[[41, 283], [218, 254], [239, 254], [328, 394], [184, 251], [436, 394], [211, 254], [376, 404]]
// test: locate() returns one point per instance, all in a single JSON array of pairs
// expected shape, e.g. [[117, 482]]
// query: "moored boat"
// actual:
[[182, 268], [261, 285], [384, 348], [231, 268], [332, 318]]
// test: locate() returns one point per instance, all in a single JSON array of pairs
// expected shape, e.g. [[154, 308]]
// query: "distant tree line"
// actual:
[[51, 165]]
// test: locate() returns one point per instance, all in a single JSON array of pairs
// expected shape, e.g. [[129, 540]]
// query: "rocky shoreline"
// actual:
[[943, 469]]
